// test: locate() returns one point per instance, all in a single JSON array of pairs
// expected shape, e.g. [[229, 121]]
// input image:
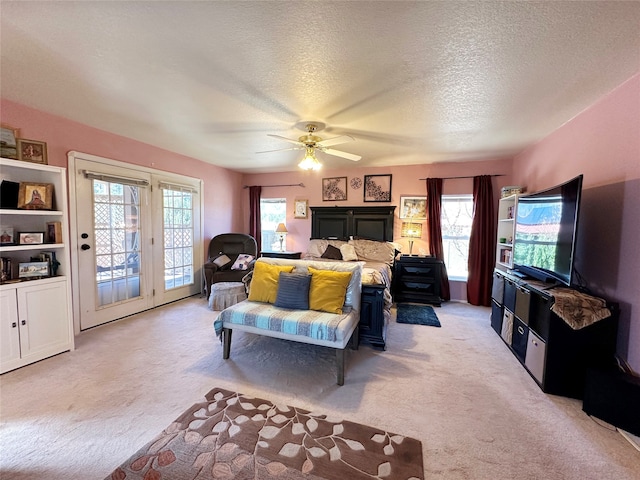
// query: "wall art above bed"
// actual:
[[377, 188], [334, 189]]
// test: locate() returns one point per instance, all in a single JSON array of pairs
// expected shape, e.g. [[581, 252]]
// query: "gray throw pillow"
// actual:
[[293, 291]]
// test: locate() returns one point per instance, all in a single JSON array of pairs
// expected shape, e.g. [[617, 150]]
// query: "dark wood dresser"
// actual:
[[417, 279]]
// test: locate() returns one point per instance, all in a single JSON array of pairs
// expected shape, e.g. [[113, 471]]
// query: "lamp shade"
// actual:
[[281, 228], [411, 230]]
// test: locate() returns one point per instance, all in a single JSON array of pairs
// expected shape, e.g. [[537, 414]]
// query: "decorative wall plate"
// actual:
[[356, 183]]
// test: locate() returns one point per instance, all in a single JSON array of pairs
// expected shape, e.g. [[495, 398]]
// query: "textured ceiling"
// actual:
[[412, 82]]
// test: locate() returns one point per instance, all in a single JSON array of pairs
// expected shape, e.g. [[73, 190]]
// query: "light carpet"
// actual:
[[457, 389], [231, 435]]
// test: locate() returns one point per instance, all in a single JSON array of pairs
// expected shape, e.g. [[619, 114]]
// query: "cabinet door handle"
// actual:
[[23, 322], [14, 325], [521, 330]]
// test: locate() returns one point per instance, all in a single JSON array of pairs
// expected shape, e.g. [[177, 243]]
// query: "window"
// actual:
[[178, 236], [457, 215], [272, 212]]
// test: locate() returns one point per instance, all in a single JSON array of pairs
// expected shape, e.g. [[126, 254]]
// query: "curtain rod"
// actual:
[[288, 185], [468, 176]]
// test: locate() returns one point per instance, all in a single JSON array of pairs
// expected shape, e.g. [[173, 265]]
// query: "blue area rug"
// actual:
[[417, 315]]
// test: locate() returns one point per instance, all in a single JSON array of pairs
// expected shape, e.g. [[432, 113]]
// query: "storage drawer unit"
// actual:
[[535, 356], [519, 338], [497, 288], [510, 295], [496, 317], [523, 303], [507, 326]]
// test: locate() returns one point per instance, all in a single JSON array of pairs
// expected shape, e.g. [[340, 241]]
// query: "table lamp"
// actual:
[[411, 230], [281, 231]]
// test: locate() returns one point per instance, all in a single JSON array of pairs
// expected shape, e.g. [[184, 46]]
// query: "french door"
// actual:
[[135, 238]]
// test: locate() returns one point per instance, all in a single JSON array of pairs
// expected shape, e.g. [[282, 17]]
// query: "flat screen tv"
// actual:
[[546, 226]]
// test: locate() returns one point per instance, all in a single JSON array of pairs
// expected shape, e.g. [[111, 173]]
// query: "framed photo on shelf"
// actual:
[[8, 141], [33, 269], [35, 196], [413, 207], [300, 209], [377, 188], [32, 151], [334, 189], [6, 235], [54, 232], [31, 238]]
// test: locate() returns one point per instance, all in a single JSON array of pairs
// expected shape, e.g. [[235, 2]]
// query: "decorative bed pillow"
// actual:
[[242, 262], [264, 284], [348, 253], [221, 261], [332, 253], [328, 290], [293, 291], [374, 251], [317, 247]]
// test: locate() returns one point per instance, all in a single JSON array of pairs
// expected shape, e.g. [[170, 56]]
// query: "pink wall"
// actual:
[[222, 188], [405, 182], [603, 143]]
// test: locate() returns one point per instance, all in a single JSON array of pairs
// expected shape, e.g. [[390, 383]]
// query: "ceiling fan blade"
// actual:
[[336, 141], [282, 149], [280, 137], [338, 153]]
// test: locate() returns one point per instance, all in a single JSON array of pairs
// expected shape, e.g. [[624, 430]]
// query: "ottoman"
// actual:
[[225, 294]]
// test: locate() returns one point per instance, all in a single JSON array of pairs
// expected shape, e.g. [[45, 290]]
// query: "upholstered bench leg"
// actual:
[[354, 341], [226, 342], [340, 364]]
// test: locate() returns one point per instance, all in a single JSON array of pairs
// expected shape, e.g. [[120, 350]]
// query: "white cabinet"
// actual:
[[35, 322], [507, 208], [35, 315]]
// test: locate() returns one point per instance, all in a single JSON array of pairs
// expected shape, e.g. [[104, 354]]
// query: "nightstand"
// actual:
[[291, 255], [417, 279]]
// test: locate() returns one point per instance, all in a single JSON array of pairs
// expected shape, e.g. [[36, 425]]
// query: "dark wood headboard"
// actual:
[[373, 223]]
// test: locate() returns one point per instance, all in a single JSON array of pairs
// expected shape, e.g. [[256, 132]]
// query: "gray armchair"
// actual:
[[231, 245]]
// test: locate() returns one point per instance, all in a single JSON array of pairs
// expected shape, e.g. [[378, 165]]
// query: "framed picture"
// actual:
[[35, 196], [6, 235], [300, 209], [413, 207], [32, 151], [54, 232], [33, 269], [31, 238], [377, 188], [334, 189], [8, 141]]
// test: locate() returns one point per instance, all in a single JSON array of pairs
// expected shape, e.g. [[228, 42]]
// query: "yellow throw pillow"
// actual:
[[264, 283], [328, 290]]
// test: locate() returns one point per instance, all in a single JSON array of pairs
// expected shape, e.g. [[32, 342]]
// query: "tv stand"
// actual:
[[556, 356]]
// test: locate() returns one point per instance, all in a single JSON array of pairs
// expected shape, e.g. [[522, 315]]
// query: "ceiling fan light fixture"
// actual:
[[310, 162]]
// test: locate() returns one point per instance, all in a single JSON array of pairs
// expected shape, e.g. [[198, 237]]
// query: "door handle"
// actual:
[[14, 325], [23, 322], [521, 330], [84, 246]]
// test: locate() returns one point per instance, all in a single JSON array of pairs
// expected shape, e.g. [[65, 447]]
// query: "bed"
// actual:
[[369, 230]]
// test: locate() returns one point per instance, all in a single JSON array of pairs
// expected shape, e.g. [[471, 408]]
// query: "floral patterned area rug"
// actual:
[[234, 436]]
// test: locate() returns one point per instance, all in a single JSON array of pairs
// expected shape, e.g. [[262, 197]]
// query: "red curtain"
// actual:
[[482, 243], [255, 229], [434, 206]]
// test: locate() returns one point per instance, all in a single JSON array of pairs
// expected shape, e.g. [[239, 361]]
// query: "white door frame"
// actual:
[[72, 156]]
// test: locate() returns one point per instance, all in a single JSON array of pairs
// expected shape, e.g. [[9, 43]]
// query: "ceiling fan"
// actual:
[[310, 143]]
